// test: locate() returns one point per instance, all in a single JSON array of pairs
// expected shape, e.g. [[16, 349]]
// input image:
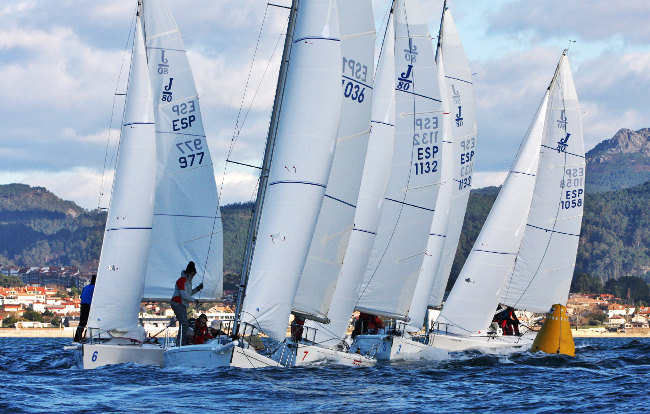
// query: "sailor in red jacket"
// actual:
[[201, 332], [182, 298]]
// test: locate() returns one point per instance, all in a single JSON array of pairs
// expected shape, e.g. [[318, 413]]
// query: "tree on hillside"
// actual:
[[630, 287], [11, 281], [585, 283]]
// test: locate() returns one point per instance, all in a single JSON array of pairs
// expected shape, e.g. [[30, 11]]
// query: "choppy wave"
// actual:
[[607, 374]]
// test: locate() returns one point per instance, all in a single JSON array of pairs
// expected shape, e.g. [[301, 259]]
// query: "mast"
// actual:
[[266, 164]]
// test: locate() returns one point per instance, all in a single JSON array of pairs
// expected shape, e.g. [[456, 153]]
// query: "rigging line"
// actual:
[[237, 132], [115, 94]]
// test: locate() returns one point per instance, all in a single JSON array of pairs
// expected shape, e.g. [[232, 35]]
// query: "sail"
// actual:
[[123, 260], [440, 223], [330, 241], [410, 198], [302, 159], [475, 295], [460, 92], [371, 195], [544, 269], [187, 220]]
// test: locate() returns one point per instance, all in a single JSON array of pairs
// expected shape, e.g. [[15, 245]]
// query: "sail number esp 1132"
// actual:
[[425, 141]]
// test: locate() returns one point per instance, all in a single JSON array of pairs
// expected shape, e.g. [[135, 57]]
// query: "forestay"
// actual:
[[310, 112], [371, 195], [335, 222], [410, 197], [122, 264], [187, 220], [544, 269], [475, 295]]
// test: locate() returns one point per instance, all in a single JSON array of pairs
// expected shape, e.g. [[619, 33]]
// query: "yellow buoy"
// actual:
[[555, 336]]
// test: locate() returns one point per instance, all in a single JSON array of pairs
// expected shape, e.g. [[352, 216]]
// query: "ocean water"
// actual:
[[607, 375]]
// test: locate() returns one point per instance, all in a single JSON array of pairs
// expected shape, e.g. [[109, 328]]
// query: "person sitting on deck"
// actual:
[[215, 329], [375, 324], [201, 333], [297, 328], [509, 321]]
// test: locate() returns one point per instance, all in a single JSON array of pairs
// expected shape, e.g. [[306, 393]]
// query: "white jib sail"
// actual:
[[371, 195], [473, 299], [187, 220], [123, 261], [410, 199], [544, 269], [302, 159], [460, 92], [330, 241]]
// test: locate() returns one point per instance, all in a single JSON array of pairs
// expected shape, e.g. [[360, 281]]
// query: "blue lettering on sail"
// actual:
[[403, 82], [167, 93], [456, 95], [411, 53], [562, 143], [459, 118], [163, 66], [561, 123]]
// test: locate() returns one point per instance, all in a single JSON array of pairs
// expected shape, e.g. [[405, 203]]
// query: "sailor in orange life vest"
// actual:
[[182, 298], [201, 333]]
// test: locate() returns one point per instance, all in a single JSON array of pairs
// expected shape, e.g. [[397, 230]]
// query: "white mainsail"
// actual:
[[302, 159], [330, 240], [371, 195], [410, 198], [475, 295], [122, 264], [187, 221], [544, 269]]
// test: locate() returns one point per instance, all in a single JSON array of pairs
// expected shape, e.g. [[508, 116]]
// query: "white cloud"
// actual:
[[589, 19], [488, 178], [81, 185]]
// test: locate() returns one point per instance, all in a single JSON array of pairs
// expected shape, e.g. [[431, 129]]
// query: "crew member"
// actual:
[[182, 298], [86, 299], [201, 333]]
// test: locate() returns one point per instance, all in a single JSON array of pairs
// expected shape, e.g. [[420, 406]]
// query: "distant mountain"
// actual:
[[619, 162], [39, 228]]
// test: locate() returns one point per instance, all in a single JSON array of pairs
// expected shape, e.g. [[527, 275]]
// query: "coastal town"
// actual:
[[49, 304]]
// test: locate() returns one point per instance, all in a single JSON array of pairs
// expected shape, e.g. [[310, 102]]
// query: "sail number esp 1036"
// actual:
[[354, 76]]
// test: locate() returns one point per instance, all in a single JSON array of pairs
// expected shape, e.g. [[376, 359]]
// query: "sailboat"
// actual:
[[335, 225], [525, 253], [459, 149], [156, 222], [408, 200], [295, 171]]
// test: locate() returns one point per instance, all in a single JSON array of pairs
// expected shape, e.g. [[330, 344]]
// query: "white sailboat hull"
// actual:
[[213, 355], [90, 356], [482, 342], [314, 354], [387, 347]]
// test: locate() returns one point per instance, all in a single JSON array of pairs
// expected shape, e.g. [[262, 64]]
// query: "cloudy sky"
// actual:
[[62, 61]]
